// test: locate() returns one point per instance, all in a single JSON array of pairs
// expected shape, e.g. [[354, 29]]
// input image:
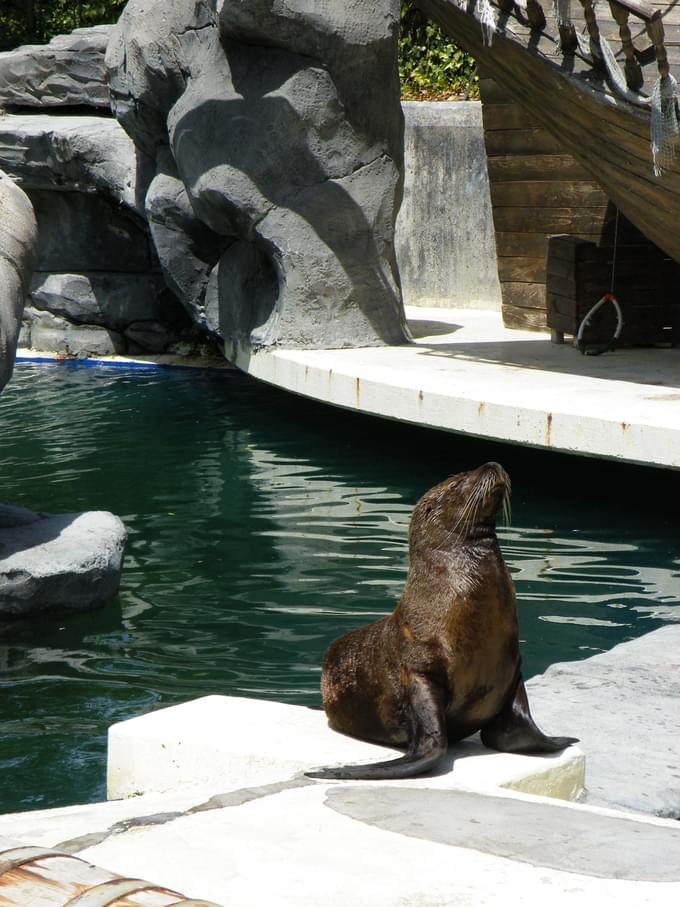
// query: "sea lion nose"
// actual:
[[499, 472]]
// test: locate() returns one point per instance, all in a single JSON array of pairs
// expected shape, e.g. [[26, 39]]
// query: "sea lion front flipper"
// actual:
[[427, 740], [513, 730]]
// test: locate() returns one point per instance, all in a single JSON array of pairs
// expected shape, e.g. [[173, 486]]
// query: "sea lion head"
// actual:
[[463, 507]]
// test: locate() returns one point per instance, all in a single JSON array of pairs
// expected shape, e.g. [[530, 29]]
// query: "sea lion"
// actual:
[[446, 662]]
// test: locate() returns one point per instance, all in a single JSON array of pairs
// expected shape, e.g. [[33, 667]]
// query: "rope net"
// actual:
[[664, 123]]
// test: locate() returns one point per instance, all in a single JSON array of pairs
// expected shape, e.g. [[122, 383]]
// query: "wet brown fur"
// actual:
[[456, 622]]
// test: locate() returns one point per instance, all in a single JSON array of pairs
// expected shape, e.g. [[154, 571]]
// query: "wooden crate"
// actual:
[[646, 285]]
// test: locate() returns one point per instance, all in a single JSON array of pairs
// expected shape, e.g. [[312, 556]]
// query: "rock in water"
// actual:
[[69, 561]]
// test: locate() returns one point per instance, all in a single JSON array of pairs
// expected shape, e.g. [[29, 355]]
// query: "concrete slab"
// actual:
[[624, 706], [227, 742], [309, 843], [444, 238], [466, 373]]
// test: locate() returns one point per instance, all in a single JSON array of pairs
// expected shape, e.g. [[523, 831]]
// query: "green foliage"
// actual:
[[12, 30], [430, 65], [36, 21]]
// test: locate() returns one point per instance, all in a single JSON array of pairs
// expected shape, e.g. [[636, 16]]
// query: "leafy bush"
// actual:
[[35, 22], [430, 65]]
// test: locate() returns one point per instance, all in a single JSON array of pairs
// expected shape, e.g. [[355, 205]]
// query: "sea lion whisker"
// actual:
[[467, 510], [507, 507]]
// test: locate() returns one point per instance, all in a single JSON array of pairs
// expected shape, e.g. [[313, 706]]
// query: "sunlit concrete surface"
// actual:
[[257, 742], [466, 373], [351, 845]]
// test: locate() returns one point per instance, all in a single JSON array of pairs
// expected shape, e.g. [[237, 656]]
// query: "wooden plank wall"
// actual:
[[536, 190]]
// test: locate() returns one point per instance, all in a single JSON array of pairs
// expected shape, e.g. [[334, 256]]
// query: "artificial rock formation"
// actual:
[[70, 561], [18, 252], [67, 72], [97, 287], [256, 180], [275, 131]]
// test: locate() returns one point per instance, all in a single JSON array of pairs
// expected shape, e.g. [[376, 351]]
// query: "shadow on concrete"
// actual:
[[557, 836], [424, 328], [658, 366]]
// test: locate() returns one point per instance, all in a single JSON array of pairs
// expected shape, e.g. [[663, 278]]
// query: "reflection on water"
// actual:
[[260, 527]]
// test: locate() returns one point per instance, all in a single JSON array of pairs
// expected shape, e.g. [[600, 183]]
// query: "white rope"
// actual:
[[590, 50], [663, 123], [617, 78], [610, 344], [487, 19]]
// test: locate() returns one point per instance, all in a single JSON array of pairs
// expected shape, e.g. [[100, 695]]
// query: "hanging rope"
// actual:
[[599, 348], [487, 19]]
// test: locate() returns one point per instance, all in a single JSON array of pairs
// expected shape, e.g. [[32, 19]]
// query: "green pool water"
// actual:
[[261, 526]]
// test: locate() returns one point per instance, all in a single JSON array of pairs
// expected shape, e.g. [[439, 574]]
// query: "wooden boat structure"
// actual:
[[580, 117]]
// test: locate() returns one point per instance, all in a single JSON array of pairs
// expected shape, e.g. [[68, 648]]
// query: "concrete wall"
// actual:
[[445, 238]]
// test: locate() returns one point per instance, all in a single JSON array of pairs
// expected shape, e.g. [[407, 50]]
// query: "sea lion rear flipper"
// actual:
[[427, 740], [513, 730]]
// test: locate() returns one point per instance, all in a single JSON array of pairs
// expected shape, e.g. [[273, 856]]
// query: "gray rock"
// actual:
[[49, 333], [107, 300], [12, 516], [151, 336], [624, 705], [241, 294], [69, 71], [18, 252], [70, 561], [187, 249], [80, 231], [278, 145], [78, 153]]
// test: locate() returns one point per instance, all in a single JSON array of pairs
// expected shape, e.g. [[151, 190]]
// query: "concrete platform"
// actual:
[[466, 373], [220, 742], [257, 831]]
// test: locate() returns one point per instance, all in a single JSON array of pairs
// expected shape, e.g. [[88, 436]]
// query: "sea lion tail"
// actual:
[[405, 766]]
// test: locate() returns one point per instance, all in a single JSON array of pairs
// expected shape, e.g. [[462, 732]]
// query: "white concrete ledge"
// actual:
[[229, 743], [229, 813], [466, 373]]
